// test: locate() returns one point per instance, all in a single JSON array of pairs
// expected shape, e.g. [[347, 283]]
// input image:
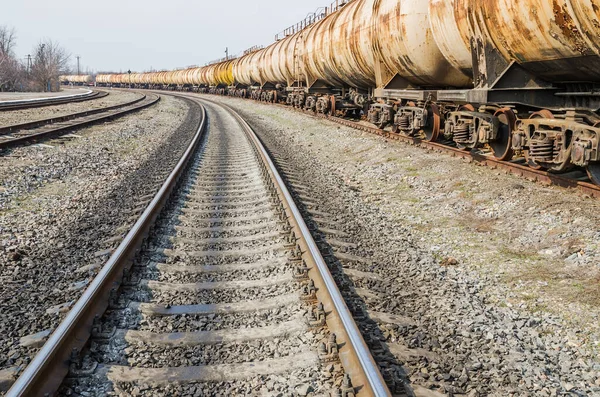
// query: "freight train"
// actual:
[[506, 78], [77, 79]]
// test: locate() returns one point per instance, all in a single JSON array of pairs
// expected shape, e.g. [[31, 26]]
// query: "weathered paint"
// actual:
[[246, 69], [408, 48], [352, 44], [271, 63], [318, 50], [558, 40], [289, 56], [452, 34]]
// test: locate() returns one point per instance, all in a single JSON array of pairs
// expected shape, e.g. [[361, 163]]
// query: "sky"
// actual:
[[137, 35]]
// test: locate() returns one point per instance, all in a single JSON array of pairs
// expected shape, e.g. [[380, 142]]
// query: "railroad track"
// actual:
[[576, 179], [518, 166], [34, 131], [18, 105], [229, 294]]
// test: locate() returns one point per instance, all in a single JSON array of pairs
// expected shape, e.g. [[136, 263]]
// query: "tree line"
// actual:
[[39, 72]]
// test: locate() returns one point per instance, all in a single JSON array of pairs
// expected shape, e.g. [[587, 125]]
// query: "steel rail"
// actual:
[[510, 166], [138, 104], [6, 106], [47, 370], [38, 123], [354, 353]]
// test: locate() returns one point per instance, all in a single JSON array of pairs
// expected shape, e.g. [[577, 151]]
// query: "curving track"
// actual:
[[37, 103], [230, 293], [588, 184], [33, 131]]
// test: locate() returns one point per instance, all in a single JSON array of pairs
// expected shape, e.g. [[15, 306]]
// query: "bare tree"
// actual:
[[10, 68], [49, 62], [8, 40], [12, 74]]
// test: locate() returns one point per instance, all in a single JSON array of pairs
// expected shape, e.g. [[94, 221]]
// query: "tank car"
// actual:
[[536, 73], [76, 79], [503, 78]]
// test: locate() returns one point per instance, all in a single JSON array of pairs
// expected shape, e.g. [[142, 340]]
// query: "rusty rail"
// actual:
[[512, 167], [47, 370]]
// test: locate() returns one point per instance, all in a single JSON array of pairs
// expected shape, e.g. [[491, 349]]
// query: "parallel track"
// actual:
[[576, 179], [231, 266], [19, 105], [34, 131]]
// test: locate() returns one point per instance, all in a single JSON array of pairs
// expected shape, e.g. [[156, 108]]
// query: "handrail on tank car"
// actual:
[[311, 18]]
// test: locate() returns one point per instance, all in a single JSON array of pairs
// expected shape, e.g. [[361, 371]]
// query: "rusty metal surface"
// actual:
[[317, 53], [451, 32], [352, 43], [427, 43], [555, 39], [532, 30], [587, 14], [407, 46]]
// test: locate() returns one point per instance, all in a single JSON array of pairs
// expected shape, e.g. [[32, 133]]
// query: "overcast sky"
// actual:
[[117, 35]]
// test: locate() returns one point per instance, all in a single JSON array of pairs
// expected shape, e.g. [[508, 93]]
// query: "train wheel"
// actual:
[[593, 171], [434, 121], [502, 145], [542, 114], [467, 108], [332, 101]]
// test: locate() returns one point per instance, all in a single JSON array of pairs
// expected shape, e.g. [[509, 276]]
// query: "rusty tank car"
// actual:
[[502, 78]]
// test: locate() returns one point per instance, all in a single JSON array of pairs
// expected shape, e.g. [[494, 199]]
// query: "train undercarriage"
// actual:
[[558, 138]]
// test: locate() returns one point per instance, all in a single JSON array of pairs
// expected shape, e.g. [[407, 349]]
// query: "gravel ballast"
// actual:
[[497, 275], [262, 323], [114, 97], [61, 205]]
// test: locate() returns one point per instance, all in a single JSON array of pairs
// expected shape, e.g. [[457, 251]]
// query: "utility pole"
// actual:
[[42, 56], [77, 64], [28, 63], [226, 53]]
